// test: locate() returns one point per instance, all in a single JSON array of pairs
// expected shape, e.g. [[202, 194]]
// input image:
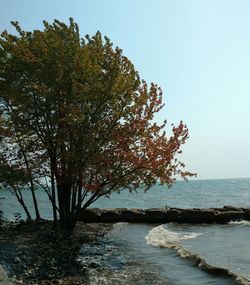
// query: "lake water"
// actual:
[[157, 254]]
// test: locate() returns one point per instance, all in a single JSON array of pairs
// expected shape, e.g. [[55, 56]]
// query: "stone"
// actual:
[[155, 215], [161, 215], [230, 208], [19, 282], [94, 265], [91, 215], [132, 215], [172, 215], [6, 282], [197, 216], [247, 214], [3, 275], [18, 260], [227, 216], [110, 215]]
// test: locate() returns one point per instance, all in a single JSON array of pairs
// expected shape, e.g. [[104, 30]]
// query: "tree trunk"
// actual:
[[67, 224], [22, 203], [38, 217], [53, 196], [63, 195], [26, 211], [32, 188]]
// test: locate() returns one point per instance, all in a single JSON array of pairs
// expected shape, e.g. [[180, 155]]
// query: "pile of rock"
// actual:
[[34, 253], [166, 215]]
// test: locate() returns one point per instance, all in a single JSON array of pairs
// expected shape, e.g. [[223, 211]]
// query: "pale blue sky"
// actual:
[[198, 51]]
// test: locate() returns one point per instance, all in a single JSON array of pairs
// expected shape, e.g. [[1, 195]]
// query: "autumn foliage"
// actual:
[[78, 120]]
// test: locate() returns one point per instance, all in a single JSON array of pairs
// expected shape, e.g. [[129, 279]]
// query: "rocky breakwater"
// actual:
[[165, 215]]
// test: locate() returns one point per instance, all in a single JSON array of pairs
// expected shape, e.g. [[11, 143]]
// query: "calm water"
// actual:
[[156, 254]]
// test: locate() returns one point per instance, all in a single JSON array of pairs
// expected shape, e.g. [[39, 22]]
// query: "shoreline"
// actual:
[[34, 253]]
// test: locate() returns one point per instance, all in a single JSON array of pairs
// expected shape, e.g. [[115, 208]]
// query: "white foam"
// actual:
[[162, 237], [242, 222], [243, 280], [120, 225], [184, 253], [118, 228]]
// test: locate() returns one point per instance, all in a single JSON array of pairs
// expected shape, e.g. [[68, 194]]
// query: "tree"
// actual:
[[84, 116], [16, 169]]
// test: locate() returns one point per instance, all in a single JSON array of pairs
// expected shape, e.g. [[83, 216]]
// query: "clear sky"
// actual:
[[198, 51]]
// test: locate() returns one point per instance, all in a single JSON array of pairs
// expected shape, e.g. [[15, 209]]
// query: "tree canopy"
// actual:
[[78, 121]]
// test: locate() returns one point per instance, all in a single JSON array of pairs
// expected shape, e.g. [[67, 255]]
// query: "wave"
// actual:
[[120, 225], [242, 222], [162, 237]]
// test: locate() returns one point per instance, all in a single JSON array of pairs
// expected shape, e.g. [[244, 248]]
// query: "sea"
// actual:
[[169, 254]]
